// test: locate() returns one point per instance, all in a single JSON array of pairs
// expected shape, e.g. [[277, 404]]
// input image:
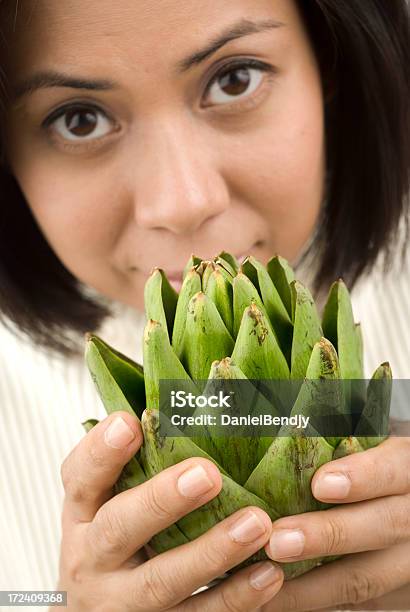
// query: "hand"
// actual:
[[377, 481], [102, 562]]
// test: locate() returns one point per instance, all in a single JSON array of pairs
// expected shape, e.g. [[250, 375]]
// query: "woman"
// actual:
[[137, 133]]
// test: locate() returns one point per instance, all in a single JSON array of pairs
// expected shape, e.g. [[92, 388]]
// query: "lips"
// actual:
[[175, 278], [176, 284]]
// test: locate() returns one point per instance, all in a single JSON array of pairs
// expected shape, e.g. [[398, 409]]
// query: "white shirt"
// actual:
[[43, 401]]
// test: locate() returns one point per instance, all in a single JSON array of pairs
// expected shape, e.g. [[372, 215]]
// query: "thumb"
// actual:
[[94, 465]]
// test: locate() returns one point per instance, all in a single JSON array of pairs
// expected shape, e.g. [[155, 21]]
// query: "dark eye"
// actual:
[[237, 82], [81, 123]]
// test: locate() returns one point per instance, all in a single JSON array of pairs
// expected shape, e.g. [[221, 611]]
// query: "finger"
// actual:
[[399, 428], [171, 577], [246, 590], [395, 600], [341, 530], [377, 472], [352, 580], [129, 520], [95, 463]]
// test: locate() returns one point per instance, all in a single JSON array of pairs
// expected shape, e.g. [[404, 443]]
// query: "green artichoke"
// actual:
[[253, 323]]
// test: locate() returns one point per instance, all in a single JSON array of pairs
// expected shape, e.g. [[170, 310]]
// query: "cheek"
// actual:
[[288, 161], [282, 178], [282, 173], [77, 210]]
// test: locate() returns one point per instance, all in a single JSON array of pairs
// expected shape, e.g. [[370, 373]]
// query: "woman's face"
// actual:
[[142, 132]]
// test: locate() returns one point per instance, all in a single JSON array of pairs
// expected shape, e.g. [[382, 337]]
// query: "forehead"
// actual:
[[74, 31]]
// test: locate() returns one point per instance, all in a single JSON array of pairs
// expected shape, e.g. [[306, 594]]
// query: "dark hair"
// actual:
[[363, 50]]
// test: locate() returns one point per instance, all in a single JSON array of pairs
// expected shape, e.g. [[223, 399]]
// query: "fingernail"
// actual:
[[247, 529], [263, 577], [286, 543], [119, 434], [194, 482], [332, 486]]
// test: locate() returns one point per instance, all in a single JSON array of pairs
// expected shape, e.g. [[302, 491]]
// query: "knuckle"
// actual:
[[77, 491], [396, 520], [230, 601], [289, 602], [390, 476], [97, 458], [107, 533], [66, 471], [370, 605], [155, 503], [72, 474], [335, 537], [359, 587], [74, 569], [158, 592], [74, 487], [214, 557]]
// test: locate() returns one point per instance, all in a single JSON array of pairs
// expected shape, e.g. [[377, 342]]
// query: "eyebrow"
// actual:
[[51, 78], [243, 28]]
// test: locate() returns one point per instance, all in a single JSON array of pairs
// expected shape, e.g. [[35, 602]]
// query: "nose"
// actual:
[[178, 187]]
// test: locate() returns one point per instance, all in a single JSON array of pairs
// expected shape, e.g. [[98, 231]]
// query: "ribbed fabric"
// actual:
[[43, 401]]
